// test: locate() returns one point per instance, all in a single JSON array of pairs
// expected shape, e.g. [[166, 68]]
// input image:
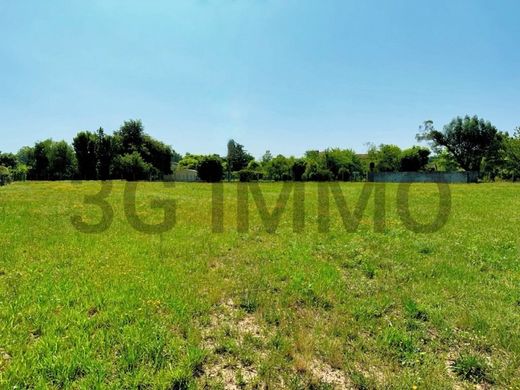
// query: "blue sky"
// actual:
[[284, 75]]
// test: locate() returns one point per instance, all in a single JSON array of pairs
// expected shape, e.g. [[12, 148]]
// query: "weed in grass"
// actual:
[[471, 368], [369, 270], [413, 310], [310, 298], [249, 303], [425, 250], [372, 309], [272, 317], [360, 381], [399, 344], [239, 378], [180, 381]]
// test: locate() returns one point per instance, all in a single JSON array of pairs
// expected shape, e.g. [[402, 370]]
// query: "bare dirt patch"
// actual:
[[4, 358], [234, 341], [325, 373]]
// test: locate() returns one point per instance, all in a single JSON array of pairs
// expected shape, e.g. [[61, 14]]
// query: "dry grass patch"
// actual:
[[234, 341]]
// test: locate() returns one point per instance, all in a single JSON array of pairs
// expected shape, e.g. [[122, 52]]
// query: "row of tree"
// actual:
[[466, 143], [129, 154]]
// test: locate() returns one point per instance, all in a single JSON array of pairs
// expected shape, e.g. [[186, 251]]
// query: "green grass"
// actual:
[[471, 368], [190, 308]]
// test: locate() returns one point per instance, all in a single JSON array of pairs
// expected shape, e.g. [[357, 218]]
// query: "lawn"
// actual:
[[193, 308]]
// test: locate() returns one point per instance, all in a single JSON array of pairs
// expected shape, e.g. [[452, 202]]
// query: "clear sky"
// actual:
[[284, 75]]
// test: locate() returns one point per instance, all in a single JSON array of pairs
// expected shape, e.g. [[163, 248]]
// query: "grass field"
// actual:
[[192, 309]]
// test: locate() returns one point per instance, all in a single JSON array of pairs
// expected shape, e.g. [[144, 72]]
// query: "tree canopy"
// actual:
[[414, 159], [467, 143], [210, 169], [237, 156], [468, 139]]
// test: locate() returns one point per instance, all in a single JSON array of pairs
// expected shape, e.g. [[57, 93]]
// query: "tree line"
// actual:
[[465, 144], [129, 153]]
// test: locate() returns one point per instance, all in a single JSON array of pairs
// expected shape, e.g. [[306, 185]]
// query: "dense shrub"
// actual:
[[286, 176], [85, 148], [253, 165], [414, 159], [210, 169], [5, 175], [8, 160], [344, 174], [314, 173], [20, 172], [246, 175], [49, 160], [387, 158], [298, 169], [278, 168], [131, 167]]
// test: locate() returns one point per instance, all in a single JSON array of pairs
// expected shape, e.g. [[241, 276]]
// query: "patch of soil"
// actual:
[[224, 368]]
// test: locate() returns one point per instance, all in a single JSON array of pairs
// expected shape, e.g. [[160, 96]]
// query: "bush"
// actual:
[[210, 169], [471, 368], [344, 174], [132, 167], [246, 175], [386, 158], [5, 175], [278, 168], [286, 176], [298, 169], [414, 159], [8, 160], [314, 173], [253, 165], [20, 172], [321, 175]]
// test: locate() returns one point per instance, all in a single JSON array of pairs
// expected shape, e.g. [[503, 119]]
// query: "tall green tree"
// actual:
[[105, 154], [387, 158], [279, 168], [511, 155], [26, 156], [158, 154], [40, 168], [469, 140], [443, 161], [85, 144], [176, 157], [132, 136], [237, 156], [342, 163], [267, 157], [62, 161]]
